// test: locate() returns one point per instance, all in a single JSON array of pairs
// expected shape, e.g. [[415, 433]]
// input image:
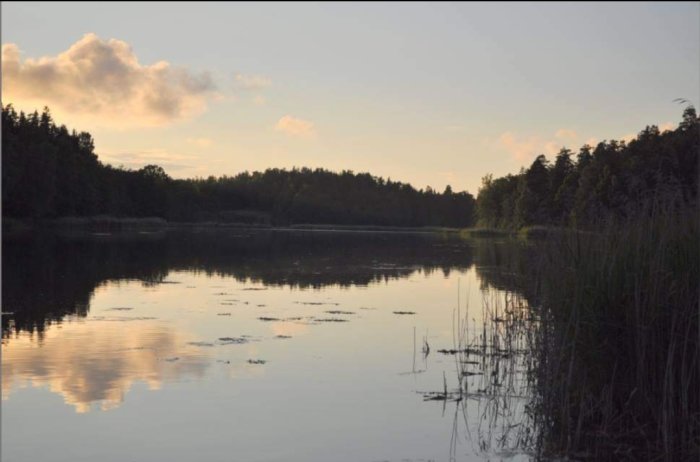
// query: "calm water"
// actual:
[[252, 346]]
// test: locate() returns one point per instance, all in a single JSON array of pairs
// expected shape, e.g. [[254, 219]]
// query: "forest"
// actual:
[[51, 172], [611, 180]]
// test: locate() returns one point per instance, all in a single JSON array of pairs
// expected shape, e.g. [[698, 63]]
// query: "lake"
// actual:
[[245, 345]]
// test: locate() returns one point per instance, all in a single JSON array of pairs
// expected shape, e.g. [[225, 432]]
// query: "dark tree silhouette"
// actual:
[[611, 180], [49, 172]]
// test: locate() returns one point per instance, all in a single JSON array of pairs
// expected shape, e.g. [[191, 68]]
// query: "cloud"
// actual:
[[253, 82], [522, 149], [259, 100], [667, 126], [592, 142], [296, 127], [139, 159], [552, 147], [525, 149], [200, 142], [103, 79]]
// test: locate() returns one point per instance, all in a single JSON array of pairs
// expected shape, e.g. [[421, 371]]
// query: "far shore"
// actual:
[[108, 224]]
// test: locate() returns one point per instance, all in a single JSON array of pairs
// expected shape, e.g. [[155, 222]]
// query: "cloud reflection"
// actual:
[[96, 362]]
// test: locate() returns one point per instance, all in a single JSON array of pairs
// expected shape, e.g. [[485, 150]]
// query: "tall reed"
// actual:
[[619, 357]]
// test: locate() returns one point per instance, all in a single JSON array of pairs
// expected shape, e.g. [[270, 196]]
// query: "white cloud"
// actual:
[[103, 79], [296, 127]]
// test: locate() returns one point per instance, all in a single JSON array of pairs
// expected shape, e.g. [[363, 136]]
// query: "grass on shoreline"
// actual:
[[619, 365], [111, 223]]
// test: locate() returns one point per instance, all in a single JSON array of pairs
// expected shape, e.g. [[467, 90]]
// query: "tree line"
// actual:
[[613, 179], [50, 172]]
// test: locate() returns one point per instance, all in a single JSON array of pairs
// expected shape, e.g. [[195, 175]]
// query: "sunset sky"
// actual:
[[431, 94]]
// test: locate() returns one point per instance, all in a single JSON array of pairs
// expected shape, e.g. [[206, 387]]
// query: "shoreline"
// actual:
[[106, 224]]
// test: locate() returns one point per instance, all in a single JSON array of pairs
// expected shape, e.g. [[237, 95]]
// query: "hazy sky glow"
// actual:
[[432, 94]]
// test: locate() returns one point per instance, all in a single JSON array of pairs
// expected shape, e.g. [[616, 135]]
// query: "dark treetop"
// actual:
[[49, 172]]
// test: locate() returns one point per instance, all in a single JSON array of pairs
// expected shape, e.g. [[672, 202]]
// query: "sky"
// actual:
[[426, 93]]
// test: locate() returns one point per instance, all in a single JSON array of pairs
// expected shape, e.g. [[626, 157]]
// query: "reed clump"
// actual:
[[619, 350]]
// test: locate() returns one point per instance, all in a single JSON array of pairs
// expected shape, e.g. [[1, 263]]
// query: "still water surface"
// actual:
[[248, 346]]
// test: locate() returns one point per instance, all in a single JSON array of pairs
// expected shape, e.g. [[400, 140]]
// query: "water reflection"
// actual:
[[248, 317], [90, 362], [49, 276], [284, 329], [495, 364]]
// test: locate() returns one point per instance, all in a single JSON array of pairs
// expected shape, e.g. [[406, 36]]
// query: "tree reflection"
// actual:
[[48, 276]]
